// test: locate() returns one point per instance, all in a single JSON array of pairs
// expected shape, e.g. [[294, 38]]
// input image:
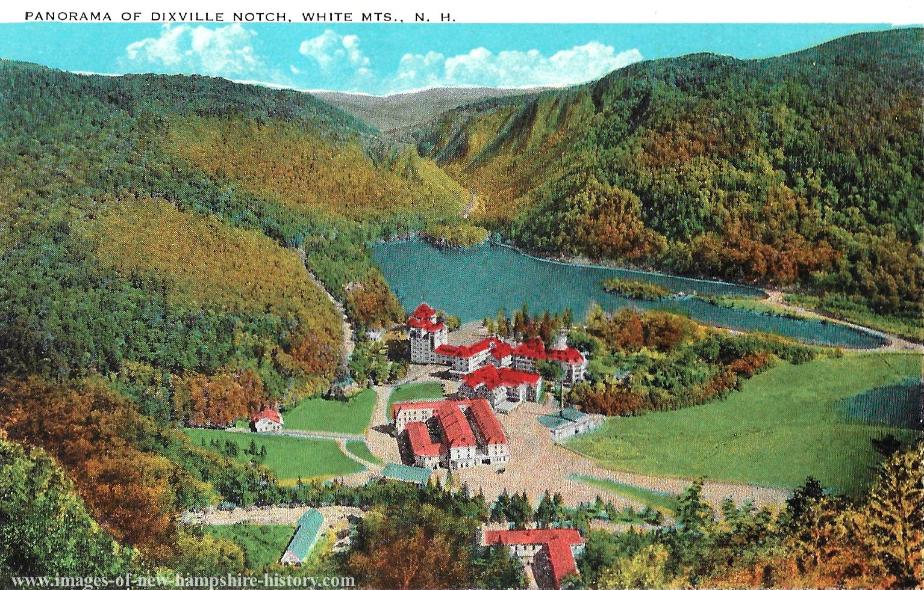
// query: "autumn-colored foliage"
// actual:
[[612, 399], [101, 442], [371, 304], [299, 166], [800, 170], [206, 263], [426, 553], [217, 400], [631, 330]]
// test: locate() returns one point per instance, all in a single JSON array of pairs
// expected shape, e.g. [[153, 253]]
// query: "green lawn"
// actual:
[[784, 425], [263, 544], [286, 456], [359, 448], [416, 391], [663, 503], [351, 417]]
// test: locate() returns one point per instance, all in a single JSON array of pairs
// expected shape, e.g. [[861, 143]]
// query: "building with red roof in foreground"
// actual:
[[550, 552], [469, 433], [266, 420], [503, 387]]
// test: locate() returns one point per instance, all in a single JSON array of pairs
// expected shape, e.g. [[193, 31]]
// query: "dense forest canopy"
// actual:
[[149, 280], [801, 170]]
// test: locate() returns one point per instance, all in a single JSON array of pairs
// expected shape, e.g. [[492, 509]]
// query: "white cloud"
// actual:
[[226, 51], [481, 67], [336, 53]]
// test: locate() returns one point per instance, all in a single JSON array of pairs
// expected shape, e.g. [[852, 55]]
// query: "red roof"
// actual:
[[421, 443], [463, 351], [568, 355], [427, 325], [455, 425], [423, 312], [487, 423], [558, 543], [493, 377], [269, 414], [535, 349], [424, 317], [395, 408], [500, 348]]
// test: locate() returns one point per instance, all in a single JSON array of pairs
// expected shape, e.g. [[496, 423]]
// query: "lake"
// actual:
[[473, 283]]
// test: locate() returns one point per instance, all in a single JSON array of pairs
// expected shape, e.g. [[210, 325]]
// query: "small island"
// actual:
[[461, 235], [634, 289]]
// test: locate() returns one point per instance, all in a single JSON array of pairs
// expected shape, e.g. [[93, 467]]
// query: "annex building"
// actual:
[[549, 552], [503, 387], [451, 433]]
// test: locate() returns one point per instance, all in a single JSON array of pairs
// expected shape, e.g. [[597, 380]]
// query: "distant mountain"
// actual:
[[804, 169], [412, 108]]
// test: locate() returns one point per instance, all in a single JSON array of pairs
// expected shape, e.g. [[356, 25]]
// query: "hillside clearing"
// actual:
[[288, 457]]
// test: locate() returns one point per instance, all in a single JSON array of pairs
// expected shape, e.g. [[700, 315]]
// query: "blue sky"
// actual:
[[388, 58]]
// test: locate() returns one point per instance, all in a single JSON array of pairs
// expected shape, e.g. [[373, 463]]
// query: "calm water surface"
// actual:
[[474, 283]]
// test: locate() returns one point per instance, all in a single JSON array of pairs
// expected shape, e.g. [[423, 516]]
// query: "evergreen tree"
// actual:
[[545, 512], [895, 512], [519, 512], [500, 507]]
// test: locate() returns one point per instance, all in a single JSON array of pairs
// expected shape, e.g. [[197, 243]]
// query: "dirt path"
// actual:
[[342, 444], [303, 434], [285, 515]]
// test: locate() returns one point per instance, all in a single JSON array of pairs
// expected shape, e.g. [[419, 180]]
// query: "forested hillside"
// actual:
[[155, 234], [803, 170]]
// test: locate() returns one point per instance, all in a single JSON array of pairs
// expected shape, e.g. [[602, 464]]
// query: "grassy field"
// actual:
[[351, 417], [286, 456], [263, 544], [784, 425], [663, 503], [359, 448], [416, 391]]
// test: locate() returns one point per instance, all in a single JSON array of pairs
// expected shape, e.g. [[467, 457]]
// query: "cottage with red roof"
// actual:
[[266, 420], [468, 433], [550, 552], [504, 388]]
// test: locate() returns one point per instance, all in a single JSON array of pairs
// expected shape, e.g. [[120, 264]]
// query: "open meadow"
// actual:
[[288, 457], [784, 425], [317, 414]]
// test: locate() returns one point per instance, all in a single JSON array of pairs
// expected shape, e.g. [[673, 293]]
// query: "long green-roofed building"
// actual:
[[305, 537], [407, 473]]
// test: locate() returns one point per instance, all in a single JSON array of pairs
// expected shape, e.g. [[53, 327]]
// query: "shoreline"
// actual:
[[580, 261], [883, 340]]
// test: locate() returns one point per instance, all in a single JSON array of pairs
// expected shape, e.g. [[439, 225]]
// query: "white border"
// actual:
[[900, 12]]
